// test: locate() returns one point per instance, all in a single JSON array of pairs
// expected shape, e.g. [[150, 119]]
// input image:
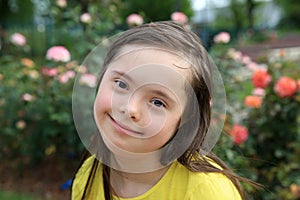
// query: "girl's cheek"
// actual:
[[103, 102]]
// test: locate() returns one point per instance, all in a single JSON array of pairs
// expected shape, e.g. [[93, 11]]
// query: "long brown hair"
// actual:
[[175, 37]]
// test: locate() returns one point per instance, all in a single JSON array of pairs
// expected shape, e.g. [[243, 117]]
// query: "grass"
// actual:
[[14, 196]]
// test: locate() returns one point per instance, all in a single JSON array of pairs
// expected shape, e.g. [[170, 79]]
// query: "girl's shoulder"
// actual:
[[207, 185], [84, 170], [82, 177]]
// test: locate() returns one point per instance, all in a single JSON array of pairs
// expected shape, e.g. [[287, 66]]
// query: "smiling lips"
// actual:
[[122, 129]]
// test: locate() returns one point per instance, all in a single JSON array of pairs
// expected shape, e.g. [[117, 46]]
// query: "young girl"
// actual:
[[153, 112]]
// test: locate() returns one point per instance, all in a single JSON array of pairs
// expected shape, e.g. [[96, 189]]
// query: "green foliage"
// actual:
[[12, 196], [238, 16], [156, 10], [270, 156], [18, 12], [291, 13]]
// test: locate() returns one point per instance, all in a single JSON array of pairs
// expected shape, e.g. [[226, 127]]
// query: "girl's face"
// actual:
[[141, 98]]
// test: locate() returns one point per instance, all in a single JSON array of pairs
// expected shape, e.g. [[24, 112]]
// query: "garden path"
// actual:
[[287, 45]]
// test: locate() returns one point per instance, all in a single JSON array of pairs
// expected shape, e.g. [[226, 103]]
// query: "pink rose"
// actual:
[[89, 80], [246, 60], [64, 78], [27, 97], [239, 134], [134, 20], [49, 71], [261, 78], [253, 66], [18, 39], [222, 37], [86, 18], [258, 92], [285, 87], [179, 17], [234, 54], [58, 53]]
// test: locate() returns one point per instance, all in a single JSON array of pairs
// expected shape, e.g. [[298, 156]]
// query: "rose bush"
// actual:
[[36, 89], [262, 121], [35, 111]]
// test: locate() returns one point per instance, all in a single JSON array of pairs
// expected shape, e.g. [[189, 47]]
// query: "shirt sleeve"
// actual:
[[216, 187]]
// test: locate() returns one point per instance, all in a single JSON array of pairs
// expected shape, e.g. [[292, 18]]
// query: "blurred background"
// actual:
[[254, 43]]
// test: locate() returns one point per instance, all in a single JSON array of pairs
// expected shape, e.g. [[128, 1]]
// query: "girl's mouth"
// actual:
[[122, 129]]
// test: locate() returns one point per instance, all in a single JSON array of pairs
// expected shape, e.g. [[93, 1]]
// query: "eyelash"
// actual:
[[162, 103], [119, 82]]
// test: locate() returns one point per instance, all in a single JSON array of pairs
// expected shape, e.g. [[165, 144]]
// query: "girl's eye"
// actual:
[[158, 103], [121, 84]]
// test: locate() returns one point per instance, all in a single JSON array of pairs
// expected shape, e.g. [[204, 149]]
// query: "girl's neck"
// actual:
[[128, 185]]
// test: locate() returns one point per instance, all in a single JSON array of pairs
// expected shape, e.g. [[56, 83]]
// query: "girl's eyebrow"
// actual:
[[122, 74], [163, 94]]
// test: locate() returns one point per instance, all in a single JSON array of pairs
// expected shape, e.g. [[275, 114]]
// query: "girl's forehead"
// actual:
[[131, 56]]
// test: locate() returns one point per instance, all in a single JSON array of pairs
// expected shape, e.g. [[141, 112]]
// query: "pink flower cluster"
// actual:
[[58, 54], [88, 79], [64, 78], [134, 20], [179, 17], [18, 39], [54, 72], [238, 56], [222, 37]]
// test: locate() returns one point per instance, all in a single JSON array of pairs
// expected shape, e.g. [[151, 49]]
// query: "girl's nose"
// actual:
[[132, 109]]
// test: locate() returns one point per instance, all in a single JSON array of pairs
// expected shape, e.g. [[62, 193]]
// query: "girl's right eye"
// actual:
[[121, 84]]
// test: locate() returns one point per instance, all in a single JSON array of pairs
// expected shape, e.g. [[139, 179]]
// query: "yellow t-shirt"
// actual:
[[177, 184]]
